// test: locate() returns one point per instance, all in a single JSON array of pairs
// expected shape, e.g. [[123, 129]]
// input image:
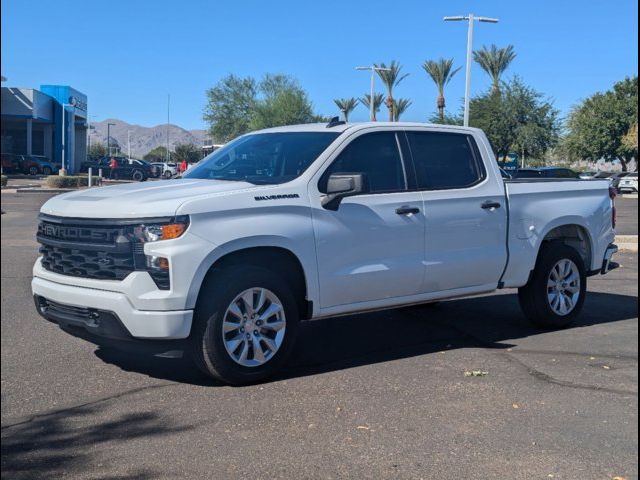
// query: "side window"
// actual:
[[377, 156], [445, 160]]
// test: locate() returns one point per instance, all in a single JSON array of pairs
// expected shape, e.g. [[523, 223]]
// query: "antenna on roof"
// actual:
[[335, 121]]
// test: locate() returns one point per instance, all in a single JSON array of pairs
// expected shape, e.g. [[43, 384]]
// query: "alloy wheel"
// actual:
[[563, 287], [253, 327]]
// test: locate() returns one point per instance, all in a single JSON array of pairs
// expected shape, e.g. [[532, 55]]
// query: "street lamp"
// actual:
[[374, 69], [109, 138], [467, 89]]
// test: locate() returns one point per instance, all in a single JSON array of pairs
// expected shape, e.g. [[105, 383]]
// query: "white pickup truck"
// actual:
[[312, 221]]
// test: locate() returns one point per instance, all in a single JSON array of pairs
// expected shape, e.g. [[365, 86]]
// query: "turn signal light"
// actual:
[[173, 230]]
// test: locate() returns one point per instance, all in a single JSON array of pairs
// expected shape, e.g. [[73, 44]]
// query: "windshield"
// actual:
[[264, 158]]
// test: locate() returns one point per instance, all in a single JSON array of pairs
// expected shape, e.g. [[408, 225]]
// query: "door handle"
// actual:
[[489, 204], [407, 210]]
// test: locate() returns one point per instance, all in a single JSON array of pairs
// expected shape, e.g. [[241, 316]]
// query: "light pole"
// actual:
[[374, 69], [467, 88], [129, 145], [109, 138]]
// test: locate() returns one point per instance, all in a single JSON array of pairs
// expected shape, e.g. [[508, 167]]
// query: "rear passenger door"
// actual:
[[372, 247], [465, 211]]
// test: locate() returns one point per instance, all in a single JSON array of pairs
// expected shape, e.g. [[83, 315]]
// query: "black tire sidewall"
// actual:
[[46, 171], [207, 345], [137, 175], [537, 305]]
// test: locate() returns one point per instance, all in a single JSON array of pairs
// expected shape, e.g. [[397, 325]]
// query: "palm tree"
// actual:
[[378, 98], [400, 105], [495, 62], [346, 106], [391, 78], [441, 72]]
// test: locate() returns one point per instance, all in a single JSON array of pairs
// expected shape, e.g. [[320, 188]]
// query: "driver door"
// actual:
[[372, 247]]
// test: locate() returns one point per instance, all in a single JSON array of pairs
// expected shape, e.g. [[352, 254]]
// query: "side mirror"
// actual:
[[341, 185]]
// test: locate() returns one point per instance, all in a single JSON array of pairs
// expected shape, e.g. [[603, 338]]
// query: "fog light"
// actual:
[[158, 263]]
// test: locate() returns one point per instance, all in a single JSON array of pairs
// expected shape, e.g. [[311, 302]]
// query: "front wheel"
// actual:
[[46, 171], [33, 170], [555, 293], [245, 324]]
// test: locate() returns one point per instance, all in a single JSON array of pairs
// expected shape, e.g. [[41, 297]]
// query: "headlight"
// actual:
[[154, 232]]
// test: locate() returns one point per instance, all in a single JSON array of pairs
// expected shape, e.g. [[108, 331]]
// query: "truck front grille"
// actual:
[[87, 263], [75, 248]]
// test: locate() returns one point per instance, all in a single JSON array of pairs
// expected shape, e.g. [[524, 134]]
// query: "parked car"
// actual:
[[138, 170], [168, 169], [546, 172], [629, 184], [616, 177], [11, 163], [34, 165], [28, 164], [586, 175], [313, 221]]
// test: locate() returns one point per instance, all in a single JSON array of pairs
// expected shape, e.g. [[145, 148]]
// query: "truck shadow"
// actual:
[[346, 342]]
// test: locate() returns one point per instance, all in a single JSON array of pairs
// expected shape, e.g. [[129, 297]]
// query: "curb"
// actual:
[[627, 243], [45, 190]]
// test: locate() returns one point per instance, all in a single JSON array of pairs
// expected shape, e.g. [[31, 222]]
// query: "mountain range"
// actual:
[[144, 139]]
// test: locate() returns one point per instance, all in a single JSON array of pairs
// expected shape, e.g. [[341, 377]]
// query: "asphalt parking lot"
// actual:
[[376, 396]]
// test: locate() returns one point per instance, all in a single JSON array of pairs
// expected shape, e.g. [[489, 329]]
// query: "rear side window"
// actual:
[[445, 160], [377, 156]]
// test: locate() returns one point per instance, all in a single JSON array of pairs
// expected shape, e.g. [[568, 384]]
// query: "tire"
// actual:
[[552, 298], [138, 176], [33, 170], [213, 351], [46, 171], [167, 174]]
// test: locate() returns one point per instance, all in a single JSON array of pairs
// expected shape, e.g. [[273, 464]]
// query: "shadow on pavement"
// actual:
[[66, 442], [346, 342]]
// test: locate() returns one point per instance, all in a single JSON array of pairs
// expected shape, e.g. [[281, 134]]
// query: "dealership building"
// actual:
[[44, 123]]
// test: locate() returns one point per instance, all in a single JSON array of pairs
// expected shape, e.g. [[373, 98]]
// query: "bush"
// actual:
[[70, 181], [3, 180]]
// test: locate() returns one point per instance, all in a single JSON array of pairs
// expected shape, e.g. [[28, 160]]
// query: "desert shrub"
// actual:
[[70, 181]]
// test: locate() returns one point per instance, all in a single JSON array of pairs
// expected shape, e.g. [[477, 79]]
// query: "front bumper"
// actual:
[[142, 324]]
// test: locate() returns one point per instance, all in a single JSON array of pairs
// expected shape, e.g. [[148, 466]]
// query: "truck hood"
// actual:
[[138, 200]]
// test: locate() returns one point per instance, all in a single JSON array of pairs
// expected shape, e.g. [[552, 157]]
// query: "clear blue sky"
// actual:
[[128, 55]]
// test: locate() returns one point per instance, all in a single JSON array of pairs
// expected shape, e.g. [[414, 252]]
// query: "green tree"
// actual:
[[495, 62], [282, 102], [158, 154], [391, 78], [400, 106], [447, 120], [598, 126], [520, 119], [229, 107], [96, 151], [630, 140], [187, 151], [378, 98], [346, 106], [441, 72]]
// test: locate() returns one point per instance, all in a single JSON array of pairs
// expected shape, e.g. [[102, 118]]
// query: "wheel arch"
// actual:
[[276, 258], [573, 235]]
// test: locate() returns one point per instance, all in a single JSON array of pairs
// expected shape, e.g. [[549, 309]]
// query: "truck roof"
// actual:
[[342, 127]]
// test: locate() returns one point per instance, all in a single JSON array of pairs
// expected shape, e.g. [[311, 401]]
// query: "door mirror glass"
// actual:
[[341, 185]]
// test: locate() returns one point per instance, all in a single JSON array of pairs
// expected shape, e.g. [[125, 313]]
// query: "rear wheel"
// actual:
[[33, 170], [138, 176], [555, 293], [245, 325], [167, 174]]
